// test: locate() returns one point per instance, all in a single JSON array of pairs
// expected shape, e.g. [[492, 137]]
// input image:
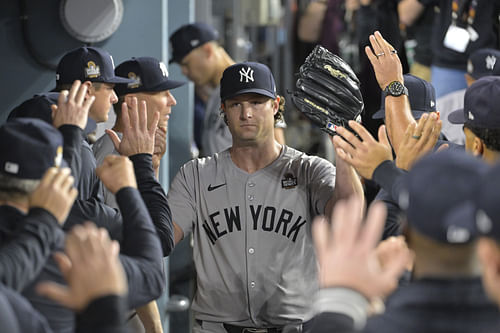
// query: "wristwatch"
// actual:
[[395, 88]]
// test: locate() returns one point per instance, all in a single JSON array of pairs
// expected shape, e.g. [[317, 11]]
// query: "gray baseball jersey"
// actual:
[[252, 243], [102, 148]]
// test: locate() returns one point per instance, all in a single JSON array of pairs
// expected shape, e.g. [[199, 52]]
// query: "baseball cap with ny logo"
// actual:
[[247, 77]]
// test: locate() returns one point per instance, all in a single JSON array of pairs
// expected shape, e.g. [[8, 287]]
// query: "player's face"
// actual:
[[162, 102], [196, 66], [104, 97], [250, 117]]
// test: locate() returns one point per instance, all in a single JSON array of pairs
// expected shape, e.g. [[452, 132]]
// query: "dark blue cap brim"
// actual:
[[167, 85], [457, 117], [116, 79], [251, 90]]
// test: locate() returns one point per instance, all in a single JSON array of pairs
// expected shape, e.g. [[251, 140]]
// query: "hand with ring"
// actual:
[[419, 139], [384, 60]]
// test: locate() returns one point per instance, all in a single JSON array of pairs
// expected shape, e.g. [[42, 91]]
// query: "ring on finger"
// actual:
[[380, 54], [416, 137], [394, 52]]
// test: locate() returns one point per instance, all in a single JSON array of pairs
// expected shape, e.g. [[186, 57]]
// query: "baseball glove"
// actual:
[[328, 91]]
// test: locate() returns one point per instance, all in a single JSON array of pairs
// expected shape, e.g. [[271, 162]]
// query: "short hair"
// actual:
[[13, 188], [490, 136]]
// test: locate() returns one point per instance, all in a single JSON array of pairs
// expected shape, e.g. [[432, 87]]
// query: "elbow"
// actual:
[[167, 244]]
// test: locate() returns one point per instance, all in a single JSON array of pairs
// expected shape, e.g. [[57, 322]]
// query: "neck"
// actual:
[[491, 156], [251, 158], [424, 267], [223, 62]]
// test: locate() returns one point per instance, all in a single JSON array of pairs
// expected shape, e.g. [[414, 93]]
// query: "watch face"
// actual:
[[396, 88]]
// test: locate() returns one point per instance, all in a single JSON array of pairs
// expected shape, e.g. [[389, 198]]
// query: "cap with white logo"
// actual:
[[148, 74], [247, 77], [188, 37], [481, 103]]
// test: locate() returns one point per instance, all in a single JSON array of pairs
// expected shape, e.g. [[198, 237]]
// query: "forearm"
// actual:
[[141, 253], [150, 317], [397, 118], [106, 314], [24, 256], [72, 148], [389, 177], [155, 199], [347, 184]]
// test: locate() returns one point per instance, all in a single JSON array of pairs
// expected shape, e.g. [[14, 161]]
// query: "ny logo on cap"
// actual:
[[194, 42], [163, 68], [490, 62], [246, 74], [432, 103]]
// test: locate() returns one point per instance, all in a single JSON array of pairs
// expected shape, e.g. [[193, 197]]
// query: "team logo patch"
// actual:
[[194, 42], [92, 70], [137, 80], [289, 181], [246, 74]]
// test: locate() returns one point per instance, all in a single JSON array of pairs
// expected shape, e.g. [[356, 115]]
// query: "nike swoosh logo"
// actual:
[[211, 188]]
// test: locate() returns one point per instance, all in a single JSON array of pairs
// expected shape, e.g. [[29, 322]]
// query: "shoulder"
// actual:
[[205, 164], [296, 156]]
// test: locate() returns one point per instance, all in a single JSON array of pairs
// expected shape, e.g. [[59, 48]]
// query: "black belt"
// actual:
[[239, 329]]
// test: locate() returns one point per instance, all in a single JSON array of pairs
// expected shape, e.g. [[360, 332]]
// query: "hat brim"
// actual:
[[167, 85], [249, 91], [457, 117], [116, 79]]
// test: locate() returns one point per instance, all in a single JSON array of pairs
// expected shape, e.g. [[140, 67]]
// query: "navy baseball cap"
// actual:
[[148, 74], [87, 64], [28, 147], [481, 104], [188, 37], [39, 107], [438, 195], [421, 94], [247, 77], [483, 62], [488, 209]]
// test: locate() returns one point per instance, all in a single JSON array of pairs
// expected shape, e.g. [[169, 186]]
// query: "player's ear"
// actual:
[[90, 89], [276, 104], [478, 146]]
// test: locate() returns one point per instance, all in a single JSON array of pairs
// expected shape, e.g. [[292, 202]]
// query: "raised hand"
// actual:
[[346, 251], [365, 156], [384, 60], [90, 266], [116, 172], [72, 107], [137, 137], [419, 139], [55, 193]]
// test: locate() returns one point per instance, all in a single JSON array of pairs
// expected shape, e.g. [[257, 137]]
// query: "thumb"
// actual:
[[55, 292], [114, 138]]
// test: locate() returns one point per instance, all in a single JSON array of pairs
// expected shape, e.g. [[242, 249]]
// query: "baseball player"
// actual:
[[203, 60], [250, 208]]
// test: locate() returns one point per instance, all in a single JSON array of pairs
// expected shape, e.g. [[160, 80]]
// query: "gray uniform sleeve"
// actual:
[[181, 197]]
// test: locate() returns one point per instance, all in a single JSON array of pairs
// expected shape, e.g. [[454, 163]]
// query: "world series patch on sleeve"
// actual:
[[328, 91]]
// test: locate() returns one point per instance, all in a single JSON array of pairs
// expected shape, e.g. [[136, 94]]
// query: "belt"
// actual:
[[239, 329]]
